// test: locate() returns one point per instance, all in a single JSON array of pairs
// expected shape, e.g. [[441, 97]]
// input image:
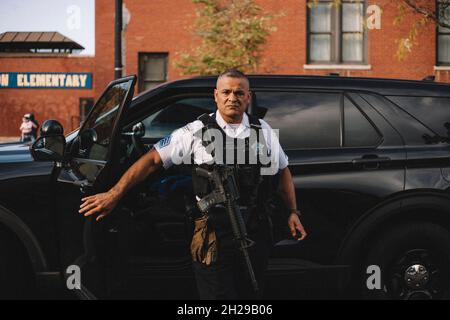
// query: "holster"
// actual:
[[204, 242]]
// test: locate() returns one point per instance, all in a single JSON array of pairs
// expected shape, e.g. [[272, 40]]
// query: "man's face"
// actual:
[[232, 96]]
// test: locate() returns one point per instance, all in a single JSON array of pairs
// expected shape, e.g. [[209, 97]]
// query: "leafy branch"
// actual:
[[232, 34], [426, 13]]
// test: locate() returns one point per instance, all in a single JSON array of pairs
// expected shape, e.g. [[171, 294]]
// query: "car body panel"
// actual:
[[334, 192]]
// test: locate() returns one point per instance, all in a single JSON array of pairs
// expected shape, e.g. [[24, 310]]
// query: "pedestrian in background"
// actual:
[[35, 128], [28, 128]]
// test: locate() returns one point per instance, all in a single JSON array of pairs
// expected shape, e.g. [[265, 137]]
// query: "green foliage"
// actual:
[[232, 34]]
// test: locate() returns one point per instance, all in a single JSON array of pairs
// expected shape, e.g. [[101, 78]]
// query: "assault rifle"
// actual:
[[225, 192]]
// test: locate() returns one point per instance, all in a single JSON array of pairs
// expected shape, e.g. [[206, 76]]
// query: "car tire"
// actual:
[[413, 261], [16, 280]]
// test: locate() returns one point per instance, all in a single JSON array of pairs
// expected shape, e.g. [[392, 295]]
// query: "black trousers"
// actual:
[[228, 277]]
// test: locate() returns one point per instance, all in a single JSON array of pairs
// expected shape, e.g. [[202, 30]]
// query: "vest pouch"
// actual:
[[204, 242], [200, 185], [249, 176], [249, 179]]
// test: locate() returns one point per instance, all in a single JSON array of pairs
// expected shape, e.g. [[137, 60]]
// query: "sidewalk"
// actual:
[[9, 139]]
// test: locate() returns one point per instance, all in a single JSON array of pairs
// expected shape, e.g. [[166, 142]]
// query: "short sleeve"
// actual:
[[176, 148]]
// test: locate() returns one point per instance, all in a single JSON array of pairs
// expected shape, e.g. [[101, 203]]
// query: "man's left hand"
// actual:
[[294, 225]]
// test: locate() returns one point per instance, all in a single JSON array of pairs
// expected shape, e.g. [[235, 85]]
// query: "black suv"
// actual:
[[371, 165]]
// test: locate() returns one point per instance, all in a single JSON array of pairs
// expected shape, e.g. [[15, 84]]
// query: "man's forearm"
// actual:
[[138, 172], [287, 189]]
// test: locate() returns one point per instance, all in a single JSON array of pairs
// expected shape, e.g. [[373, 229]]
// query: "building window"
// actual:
[[443, 34], [152, 69], [336, 33], [86, 105]]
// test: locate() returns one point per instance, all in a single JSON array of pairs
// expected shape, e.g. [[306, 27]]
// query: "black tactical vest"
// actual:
[[254, 189]]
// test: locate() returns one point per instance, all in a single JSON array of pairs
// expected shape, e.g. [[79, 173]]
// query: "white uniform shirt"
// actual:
[[179, 147]]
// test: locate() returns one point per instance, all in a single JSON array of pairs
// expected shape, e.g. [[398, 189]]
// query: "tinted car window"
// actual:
[[434, 112], [412, 131], [306, 120], [177, 114], [358, 131], [96, 133]]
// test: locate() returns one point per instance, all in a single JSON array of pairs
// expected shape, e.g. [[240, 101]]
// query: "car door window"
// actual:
[[305, 120], [434, 112], [176, 114], [413, 131], [358, 131], [96, 133]]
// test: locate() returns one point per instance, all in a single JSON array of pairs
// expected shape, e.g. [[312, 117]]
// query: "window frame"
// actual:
[[115, 131], [343, 94], [438, 33], [306, 91], [337, 33], [85, 106], [141, 69], [370, 121], [419, 120]]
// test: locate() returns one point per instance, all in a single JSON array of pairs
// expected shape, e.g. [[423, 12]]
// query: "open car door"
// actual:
[[86, 245]]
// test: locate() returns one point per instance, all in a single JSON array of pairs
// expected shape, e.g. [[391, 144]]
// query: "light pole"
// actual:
[[118, 41]]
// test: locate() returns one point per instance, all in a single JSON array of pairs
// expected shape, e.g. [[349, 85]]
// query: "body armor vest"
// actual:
[[254, 189]]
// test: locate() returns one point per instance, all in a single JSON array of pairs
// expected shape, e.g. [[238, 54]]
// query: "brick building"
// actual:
[[319, 41]]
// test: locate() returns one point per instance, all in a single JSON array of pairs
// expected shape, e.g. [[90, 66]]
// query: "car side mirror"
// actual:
[[49, 148], [87, 138], [51, 128]]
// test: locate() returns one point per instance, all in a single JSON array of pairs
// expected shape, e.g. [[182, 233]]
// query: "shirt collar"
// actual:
[[223, 124]]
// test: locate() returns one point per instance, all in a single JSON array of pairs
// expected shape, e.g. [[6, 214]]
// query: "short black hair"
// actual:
[[233, 73]]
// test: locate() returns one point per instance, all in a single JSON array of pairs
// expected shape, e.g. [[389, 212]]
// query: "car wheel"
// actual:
[[16, 281], [414, 263]]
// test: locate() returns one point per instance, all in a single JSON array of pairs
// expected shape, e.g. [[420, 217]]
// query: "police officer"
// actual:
[[217, 265]]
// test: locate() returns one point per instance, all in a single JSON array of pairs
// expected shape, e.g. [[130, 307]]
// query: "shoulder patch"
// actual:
[[164, 141]]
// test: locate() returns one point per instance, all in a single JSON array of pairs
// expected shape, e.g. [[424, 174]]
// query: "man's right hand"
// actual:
[[101, 203]]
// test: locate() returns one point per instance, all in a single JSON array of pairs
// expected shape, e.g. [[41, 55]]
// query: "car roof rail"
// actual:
[[429, 78]]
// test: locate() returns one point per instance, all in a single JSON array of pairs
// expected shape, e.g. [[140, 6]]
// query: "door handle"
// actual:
[[370, 160], [84, 185]]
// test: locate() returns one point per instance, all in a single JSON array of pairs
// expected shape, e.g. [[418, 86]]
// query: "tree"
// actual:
[[426, 9], [232, 34], [426, 12]]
